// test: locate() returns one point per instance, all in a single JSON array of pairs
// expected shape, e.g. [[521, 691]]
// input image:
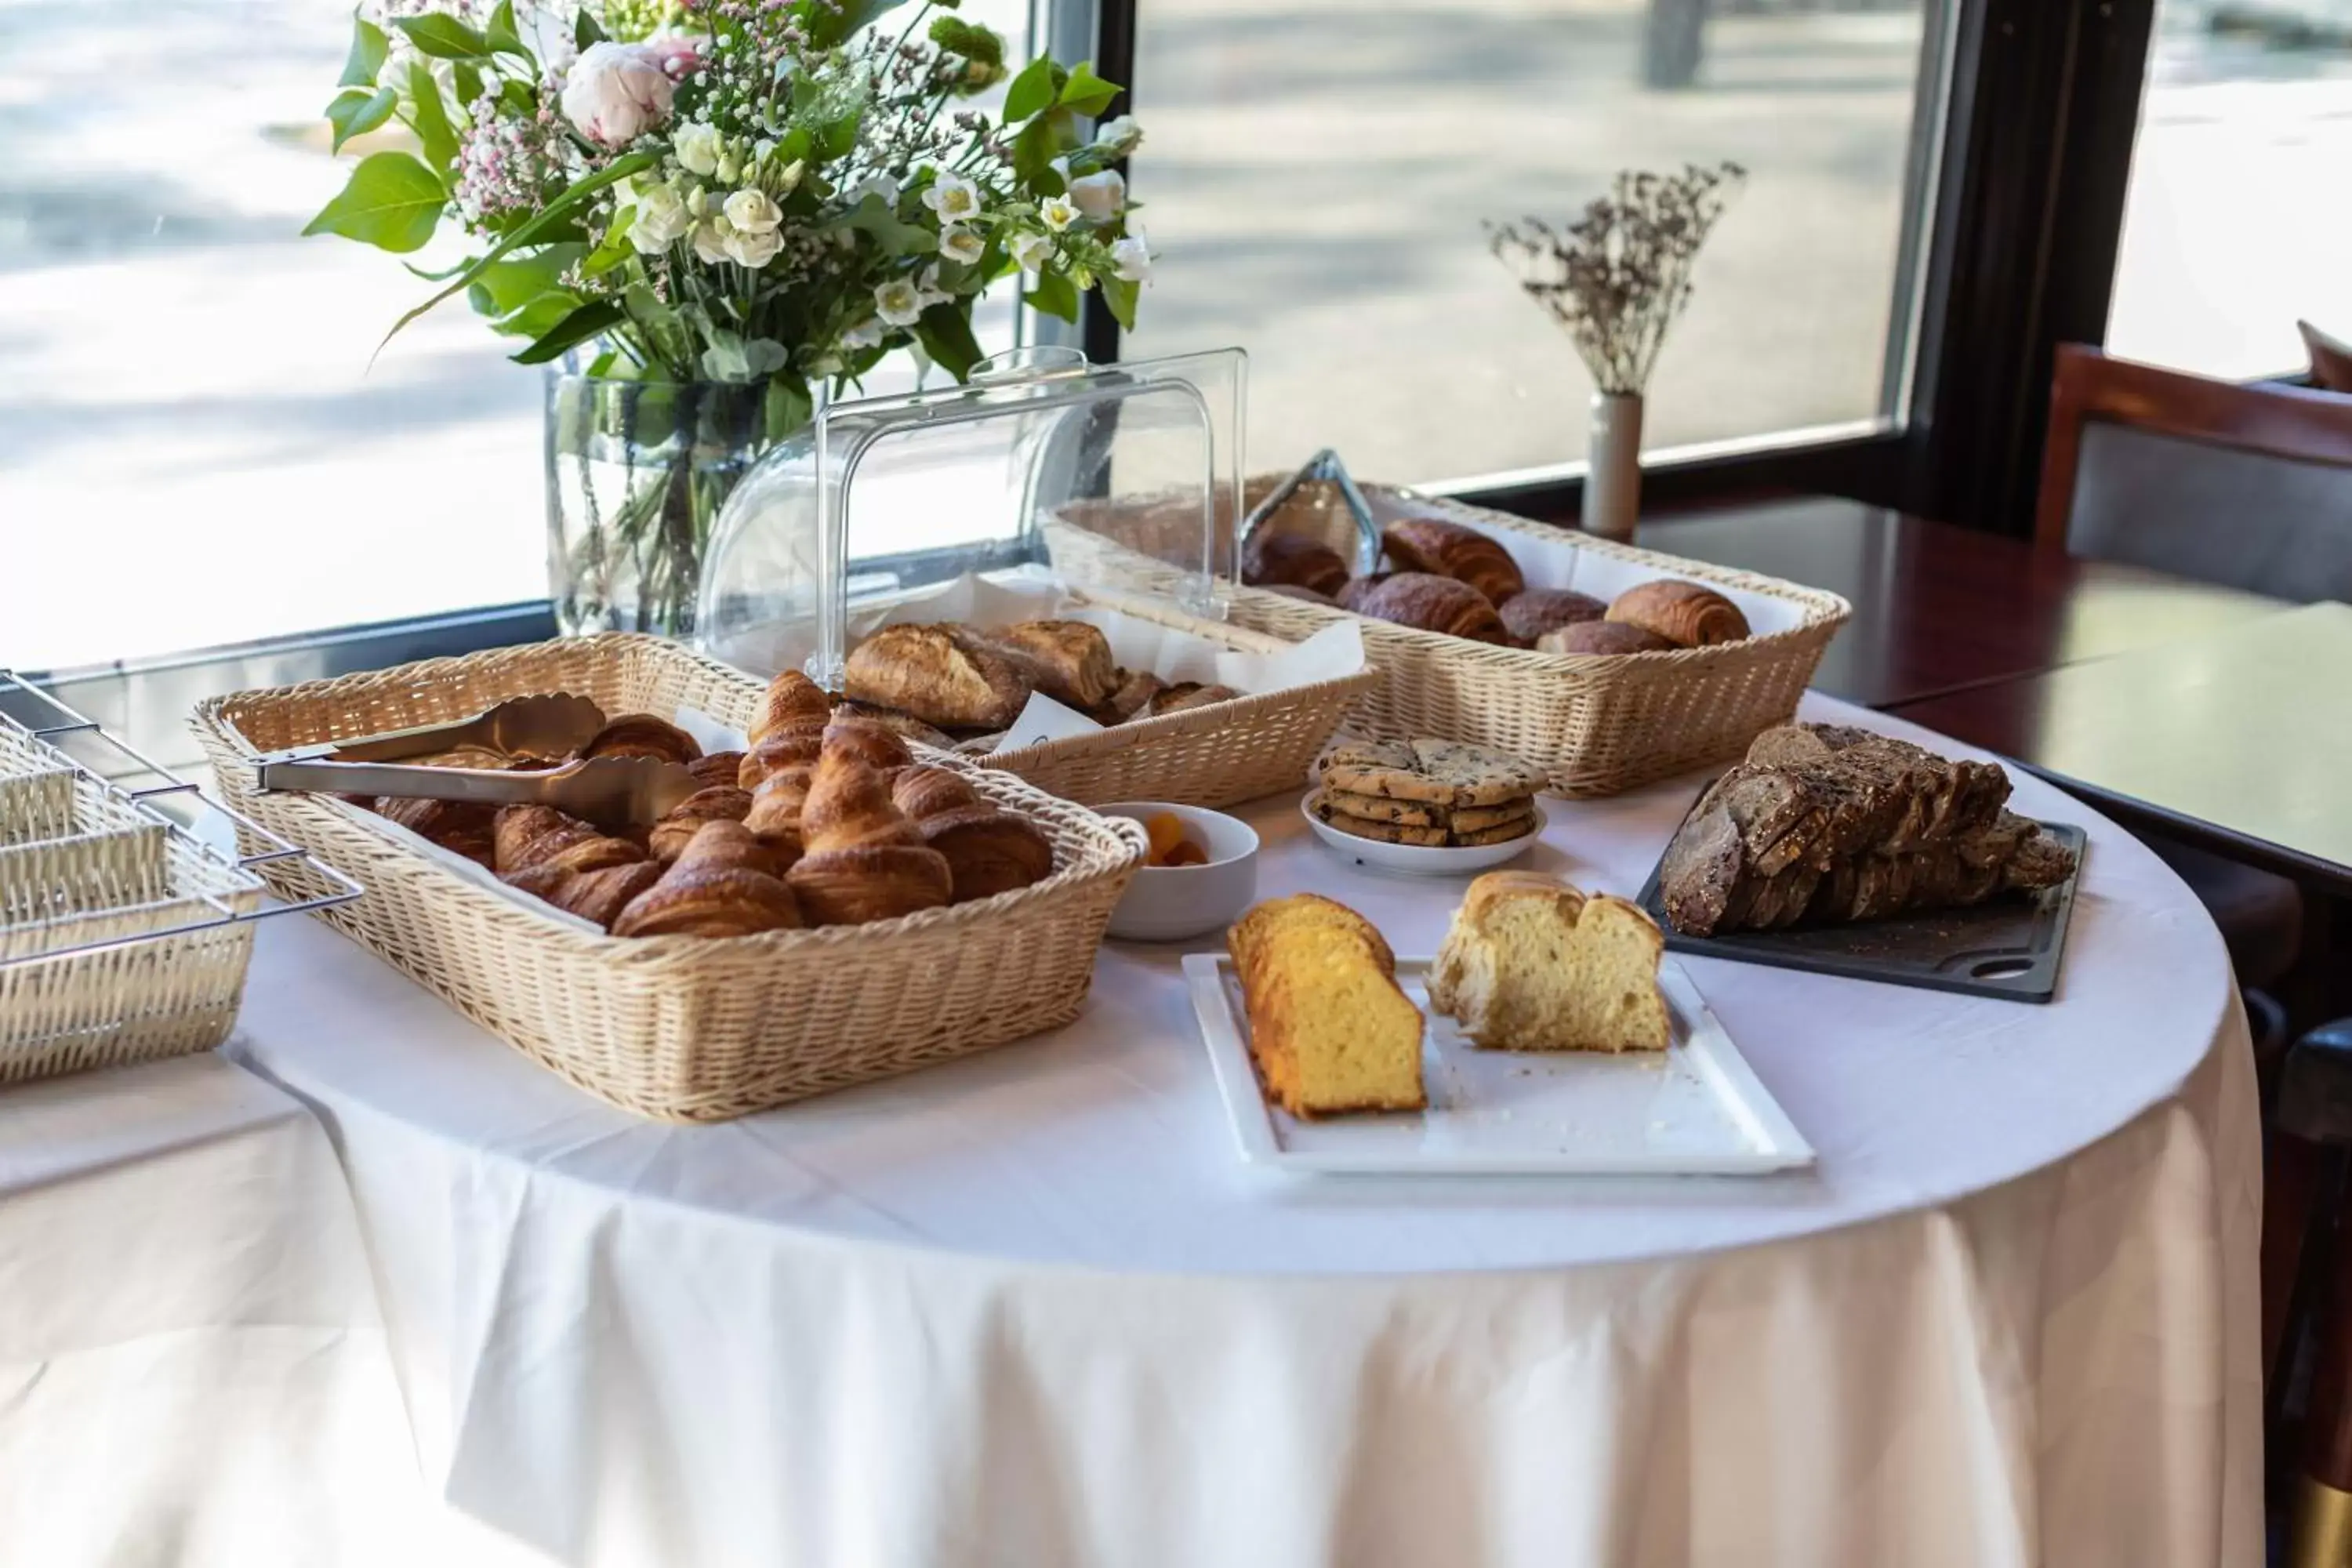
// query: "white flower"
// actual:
[[953, 197], [960, 245], [1101, 198], [753, 251], [731, 169], [927, 288], [1131, 258], [698, 201], [1121, 135], [881, 186], [867, 334], [1030, 252], [699, 147], [753, 213], [614, 93], [827, 364], [661, 222], [789, 179], [897, 302], [1056, 213], [710, 237]]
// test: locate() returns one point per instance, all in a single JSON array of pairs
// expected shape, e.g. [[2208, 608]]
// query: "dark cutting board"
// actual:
[[2008, 947]]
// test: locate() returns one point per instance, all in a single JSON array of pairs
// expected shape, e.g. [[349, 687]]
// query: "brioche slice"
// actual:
[[1532, 964], [1330, 1030]]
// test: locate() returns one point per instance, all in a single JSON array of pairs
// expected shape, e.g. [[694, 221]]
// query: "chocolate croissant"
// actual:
[[1449, 550], [1529, 614], [724, 884], [1435, 604], [792, 700], [1686, 614], [641, 735], [863, 860], [1273, 560], [675, 831]]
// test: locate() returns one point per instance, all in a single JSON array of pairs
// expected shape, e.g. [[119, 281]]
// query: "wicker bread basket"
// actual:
[[1597, 725], [1212, 756], [676, 1028]]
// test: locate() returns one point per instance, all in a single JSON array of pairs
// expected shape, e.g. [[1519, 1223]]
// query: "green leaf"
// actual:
[[1086, 94], [504, 287], [875, 217], [357, 111], [615, 250], [1054, 296], [539, 315], [369, 48], [466, 79], [1120, 296], [391, 202], [828, 22], [517, 98], [430, 120], [1035, 148], [596, 317], [585, 30], [554, 218], [787, 406], [442, 36], [501, 34], [1031, 91], [945, 333]]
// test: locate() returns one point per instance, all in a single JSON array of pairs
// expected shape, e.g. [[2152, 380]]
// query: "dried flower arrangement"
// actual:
[[1617, 276]]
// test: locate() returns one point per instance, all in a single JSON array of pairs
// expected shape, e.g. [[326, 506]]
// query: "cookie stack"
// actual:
[[1429, 793]]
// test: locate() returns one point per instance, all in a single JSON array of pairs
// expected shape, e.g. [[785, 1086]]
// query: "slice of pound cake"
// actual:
[[1330, 1030], [1532, 964]]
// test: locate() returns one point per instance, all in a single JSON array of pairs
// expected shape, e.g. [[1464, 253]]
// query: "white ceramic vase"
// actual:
[[1613, 483]]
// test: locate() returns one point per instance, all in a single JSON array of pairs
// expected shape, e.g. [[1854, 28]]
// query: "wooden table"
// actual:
[[2239, 740], [1938, 608]]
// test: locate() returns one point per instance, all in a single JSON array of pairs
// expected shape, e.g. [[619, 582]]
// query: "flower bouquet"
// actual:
[[712, 213]]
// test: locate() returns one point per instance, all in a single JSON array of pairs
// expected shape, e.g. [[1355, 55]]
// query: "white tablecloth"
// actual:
[[193, 1372], [1030, 1309]]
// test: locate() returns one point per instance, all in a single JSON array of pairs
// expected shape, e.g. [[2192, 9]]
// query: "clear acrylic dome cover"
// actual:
[[883, 498]]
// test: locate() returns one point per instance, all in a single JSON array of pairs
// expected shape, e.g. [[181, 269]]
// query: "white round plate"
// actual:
[[1423, 859]]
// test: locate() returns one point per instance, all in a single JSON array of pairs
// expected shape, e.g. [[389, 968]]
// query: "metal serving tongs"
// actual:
[[611, 791], [1324, 465]]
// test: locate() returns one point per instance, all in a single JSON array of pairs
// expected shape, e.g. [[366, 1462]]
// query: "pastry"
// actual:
[[1532, 964], [1603, 637], [1293, 591], [1330, 1030], [1135, 694], [717, 768], [1355, 590], [1449, 550], [462, 827], [1827, 822], [1686, 614], [1424, 814], [861, 859], [904, 725], [1272, 560], [724, 884], [1184, 696], [1532, 612], [1442, 772], [944, 675], [874, 745], [1074, 659], [676, 830], [641, 735], [529, 836], [1433, 605], [926, 792], [598, 896], [989, 851], [776, 812], [796, 747], [792, 699]]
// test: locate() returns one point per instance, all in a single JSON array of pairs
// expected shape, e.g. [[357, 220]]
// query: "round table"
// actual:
[[1032, 1308]]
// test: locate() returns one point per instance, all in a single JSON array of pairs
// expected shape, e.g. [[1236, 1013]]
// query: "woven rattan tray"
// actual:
[[1597, 725], [677, 1028], [1212, 756]]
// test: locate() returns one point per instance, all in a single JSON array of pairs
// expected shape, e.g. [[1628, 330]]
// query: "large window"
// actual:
[[2238, 221], [1318, 171]]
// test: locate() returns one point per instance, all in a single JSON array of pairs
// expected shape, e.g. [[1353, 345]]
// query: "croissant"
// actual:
[[599, 896], [724, 884], [944, 675], [988, 850], [776, 812], [1074, 663], [716, 768], [1183, 696], [927, 791], [877, 747], [897, 724], [463, 827], [532, 835], [1356, 590], [1435, 604], [1449, 550], [641, 735], [863, 860], [792, 699], [1529, 614], [796, 747], [1684, 614], [1272, 560], [676, 830], [1134, 695]]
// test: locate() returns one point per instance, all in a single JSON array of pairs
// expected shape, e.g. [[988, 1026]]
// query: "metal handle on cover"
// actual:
[[309, 770]]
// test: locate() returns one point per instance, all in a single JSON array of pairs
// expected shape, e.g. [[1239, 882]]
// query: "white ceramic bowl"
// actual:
[[1423, 859], [1167, 903]]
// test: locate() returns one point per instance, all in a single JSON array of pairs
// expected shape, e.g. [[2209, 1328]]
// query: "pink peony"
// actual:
[[614, 93]]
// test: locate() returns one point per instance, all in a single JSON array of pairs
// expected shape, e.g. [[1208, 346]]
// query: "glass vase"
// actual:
[[636, 472]]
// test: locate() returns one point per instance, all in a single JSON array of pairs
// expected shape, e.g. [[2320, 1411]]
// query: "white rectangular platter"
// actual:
[[1696, 1109]]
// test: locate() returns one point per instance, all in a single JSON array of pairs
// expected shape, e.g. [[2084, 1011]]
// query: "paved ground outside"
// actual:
[[197, 449]]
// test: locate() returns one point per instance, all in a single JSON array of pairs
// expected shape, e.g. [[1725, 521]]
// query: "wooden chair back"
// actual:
[[2245, 485]]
